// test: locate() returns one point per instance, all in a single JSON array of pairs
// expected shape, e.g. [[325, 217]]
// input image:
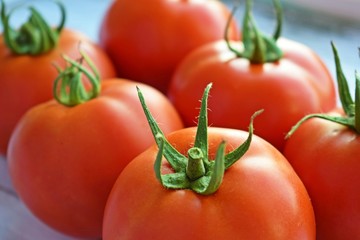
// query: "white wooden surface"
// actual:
[[17, 223]]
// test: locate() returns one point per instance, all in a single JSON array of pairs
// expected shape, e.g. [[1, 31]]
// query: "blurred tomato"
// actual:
[[146, 39], [27, 78]]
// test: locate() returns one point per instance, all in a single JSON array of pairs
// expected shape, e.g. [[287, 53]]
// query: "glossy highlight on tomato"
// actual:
[[147, 39], [63, 161], [323, 149], [27, 79], [259, 196], [323, 155], [285, 78]]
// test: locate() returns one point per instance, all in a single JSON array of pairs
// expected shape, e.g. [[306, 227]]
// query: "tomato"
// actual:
[[288, 86], [147, 39], [27, 78], [324, 152], [259, 197], [63, 160]]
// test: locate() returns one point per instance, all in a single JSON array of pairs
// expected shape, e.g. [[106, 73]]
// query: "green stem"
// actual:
[[343, 87], [195, 166], [257, 47], [351, 107], [196, 171], [176, 159], [237, 153], [279, 18], [69, 88], [226, 35], [217, 175], [35, 36], [201, 138], [357, 103], [347, 121]]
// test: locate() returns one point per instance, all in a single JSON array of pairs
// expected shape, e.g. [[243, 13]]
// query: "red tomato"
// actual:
[[260, 197], [247, 192], [283, 77], [297, 84], [63, 161], [147, 39], [324, 150], [325, 156], [27, 80]]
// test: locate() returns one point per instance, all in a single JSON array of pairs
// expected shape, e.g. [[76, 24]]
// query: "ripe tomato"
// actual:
[[27, 79], [64, 160], [147, 39], [324, 152], [324, 155], [258, 197], [293, 83]]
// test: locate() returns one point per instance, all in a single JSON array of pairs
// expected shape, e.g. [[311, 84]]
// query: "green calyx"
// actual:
[[69, 88], [351, 107], [34, 37], [195, 171], [257, 47]]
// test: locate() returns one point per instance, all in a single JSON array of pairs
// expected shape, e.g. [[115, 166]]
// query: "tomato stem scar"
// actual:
[[195, 166]]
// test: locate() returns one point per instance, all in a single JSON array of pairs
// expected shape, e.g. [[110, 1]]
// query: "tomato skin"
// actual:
[[325, 156], [296, 85], [159, 34], [63, 161], [28, 80], [260, 191]]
